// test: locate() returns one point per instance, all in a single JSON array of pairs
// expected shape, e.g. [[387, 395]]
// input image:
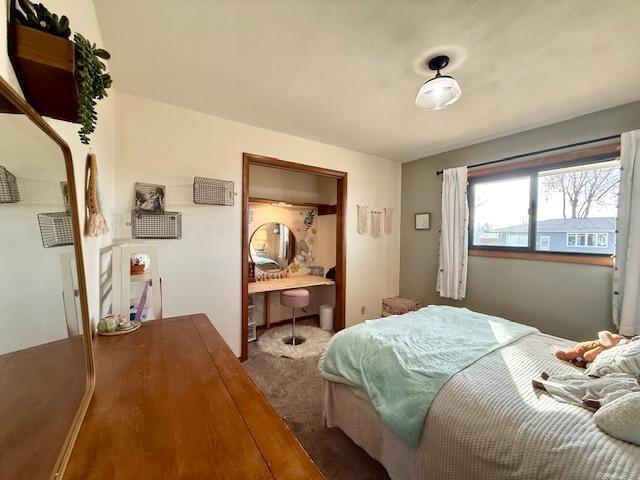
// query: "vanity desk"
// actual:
[[173, 401], [278, 284]]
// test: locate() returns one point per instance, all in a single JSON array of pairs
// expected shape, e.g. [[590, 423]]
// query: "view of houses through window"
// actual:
[[574, 207]]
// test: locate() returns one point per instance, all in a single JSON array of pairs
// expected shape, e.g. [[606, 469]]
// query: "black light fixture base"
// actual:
[[438, 63]]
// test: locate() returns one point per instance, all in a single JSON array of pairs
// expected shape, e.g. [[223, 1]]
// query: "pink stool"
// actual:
[[296, 298]]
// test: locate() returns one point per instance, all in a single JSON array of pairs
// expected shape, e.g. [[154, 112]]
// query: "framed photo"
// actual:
[[149, 197], [423, 221]]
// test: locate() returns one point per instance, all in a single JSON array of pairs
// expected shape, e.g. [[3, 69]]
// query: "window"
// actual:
[[501, 212], [603, 240], [544, 243], [599, 240], [566, 207]]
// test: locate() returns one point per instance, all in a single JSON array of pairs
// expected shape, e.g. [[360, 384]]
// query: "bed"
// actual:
[[487, 422]]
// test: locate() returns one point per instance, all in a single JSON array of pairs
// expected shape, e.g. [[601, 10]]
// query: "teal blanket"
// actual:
[[402, 362]]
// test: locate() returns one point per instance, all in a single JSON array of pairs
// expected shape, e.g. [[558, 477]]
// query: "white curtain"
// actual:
[[626, 275], [452, 272]]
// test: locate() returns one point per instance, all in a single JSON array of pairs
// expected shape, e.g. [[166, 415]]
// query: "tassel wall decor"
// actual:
[[96, 224], [375, 223], [388, 220], [363, 211]]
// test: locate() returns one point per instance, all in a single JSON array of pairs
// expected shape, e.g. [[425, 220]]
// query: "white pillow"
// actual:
[[623, 358], [621, 418]]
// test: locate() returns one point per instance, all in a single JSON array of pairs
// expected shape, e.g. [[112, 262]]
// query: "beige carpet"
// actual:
[[294, 388]]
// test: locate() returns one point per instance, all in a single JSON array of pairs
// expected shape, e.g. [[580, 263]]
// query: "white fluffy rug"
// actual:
[[315, 340]]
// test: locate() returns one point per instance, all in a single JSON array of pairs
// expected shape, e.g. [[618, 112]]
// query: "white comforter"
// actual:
[[489, 423]]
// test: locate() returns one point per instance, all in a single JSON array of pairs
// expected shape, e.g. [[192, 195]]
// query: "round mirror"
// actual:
[[272, 247]]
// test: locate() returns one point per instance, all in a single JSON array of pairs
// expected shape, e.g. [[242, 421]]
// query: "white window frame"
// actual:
[[542, 239], [604, 235], [584, 236]]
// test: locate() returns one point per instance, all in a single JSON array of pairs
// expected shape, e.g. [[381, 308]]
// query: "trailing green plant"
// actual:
[[37, 16], [93, 82], [91, 77]]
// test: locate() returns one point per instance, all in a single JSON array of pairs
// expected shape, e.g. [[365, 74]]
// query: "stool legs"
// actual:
[[293, 328], [294, 298], [293, 340]]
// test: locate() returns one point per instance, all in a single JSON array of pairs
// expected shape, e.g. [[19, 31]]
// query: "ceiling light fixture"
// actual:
[[441, 90]]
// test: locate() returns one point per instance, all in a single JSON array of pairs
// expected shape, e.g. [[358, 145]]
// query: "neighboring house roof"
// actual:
[[563, 225]]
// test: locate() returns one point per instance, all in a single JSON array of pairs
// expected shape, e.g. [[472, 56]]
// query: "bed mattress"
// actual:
[[488, 422]]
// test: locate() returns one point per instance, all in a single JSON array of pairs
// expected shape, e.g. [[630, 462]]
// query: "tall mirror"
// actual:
[[272, 247], [45, 366]]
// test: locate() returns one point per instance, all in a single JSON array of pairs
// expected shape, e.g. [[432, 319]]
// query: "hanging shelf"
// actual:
[[156, 225], [9, 192], [210, 191], [56, 229], [45, 67]]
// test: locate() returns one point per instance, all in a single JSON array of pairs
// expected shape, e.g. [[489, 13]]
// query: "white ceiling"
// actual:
[[346, 72]]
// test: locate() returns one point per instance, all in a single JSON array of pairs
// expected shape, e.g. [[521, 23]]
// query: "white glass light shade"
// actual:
[[438, 92]]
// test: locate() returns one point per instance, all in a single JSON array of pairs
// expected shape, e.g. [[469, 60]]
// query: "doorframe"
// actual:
[[249, 159]]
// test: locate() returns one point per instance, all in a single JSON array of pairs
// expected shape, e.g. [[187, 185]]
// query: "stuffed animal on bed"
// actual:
[[586, 352]]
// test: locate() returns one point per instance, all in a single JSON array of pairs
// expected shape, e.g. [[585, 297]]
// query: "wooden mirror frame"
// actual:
[[11, 102]]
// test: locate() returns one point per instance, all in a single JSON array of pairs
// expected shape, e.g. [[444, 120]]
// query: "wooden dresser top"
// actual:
[[172, 401]]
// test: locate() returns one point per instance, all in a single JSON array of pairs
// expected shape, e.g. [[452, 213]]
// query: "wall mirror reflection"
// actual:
[[43, 366], [272, 247]]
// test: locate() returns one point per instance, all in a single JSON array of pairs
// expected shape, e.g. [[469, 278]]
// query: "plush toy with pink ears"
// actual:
[[585, 352]]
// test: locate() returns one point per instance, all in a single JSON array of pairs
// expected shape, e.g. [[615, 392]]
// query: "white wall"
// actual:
[[164, 144], [82, 18], [160, 143], [31, 283]]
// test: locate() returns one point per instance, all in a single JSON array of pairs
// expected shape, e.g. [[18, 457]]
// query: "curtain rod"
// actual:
[[538, 152]]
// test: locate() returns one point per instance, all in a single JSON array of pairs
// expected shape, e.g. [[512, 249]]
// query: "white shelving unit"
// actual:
[[253, 332], [128, 288]]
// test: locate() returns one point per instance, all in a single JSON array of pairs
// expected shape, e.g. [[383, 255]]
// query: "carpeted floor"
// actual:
[[294, 388]]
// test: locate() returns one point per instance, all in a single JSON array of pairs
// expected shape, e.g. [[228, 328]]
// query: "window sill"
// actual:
[[602, 261]]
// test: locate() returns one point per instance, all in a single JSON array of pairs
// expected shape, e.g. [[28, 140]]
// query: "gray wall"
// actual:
[[571, 301]]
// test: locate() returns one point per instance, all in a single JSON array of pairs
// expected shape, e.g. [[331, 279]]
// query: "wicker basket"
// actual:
[[399, 305]]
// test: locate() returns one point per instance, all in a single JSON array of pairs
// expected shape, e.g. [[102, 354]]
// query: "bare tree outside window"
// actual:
[[583, 189]]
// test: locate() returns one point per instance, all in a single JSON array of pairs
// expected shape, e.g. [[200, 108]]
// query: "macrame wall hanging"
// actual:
[[388, 220], [375, 223], [363, 211], [96, 224]]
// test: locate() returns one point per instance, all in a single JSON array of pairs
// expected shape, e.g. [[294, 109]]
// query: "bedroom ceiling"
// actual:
[[347, 73]]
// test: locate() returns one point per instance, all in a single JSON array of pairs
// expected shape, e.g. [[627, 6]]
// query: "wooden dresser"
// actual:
[[172, 401]]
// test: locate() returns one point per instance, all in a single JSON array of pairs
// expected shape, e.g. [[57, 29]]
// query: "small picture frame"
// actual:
[[149, 197], [423, 221]]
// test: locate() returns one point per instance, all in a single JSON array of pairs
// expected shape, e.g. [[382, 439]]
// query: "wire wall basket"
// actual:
[[56, 229], [156, 225], [9, 192], [209, 191]]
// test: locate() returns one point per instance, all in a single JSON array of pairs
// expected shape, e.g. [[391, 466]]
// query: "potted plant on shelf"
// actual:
[[45, 60]]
